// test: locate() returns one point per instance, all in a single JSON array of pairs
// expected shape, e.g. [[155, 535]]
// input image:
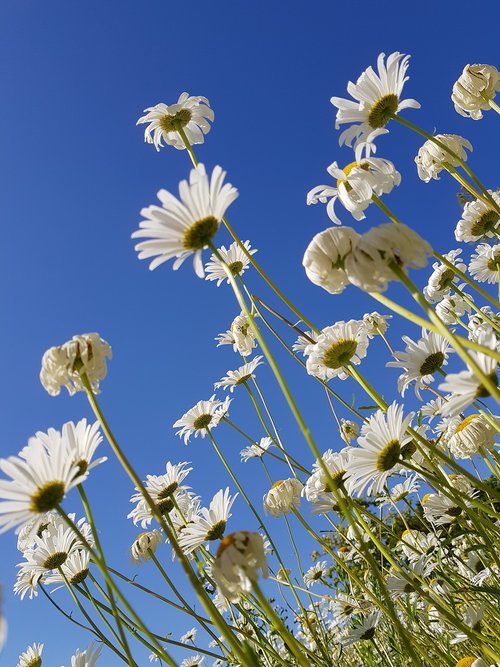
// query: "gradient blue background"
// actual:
[[75, 173]]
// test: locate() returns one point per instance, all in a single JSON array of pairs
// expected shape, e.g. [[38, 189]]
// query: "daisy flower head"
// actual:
[[400, 491], [420, 360], [337, 347], [454, 306], [81, 441], [53, 547], [378, 454], [234, 257], [443, 279], [65, 365], [209, 523], [476, 86], [355, 187], [303, 342], [237, 563], [75, 568], [349, 430], [479, 221], [485, 263], [472, 617], [368, 266], [190, 113], [472, 435], [377, 97], [183, 227], [256, 450], [143, 544], [320, 482], [193, 661], [87, 658], [363, 632], [240, 335], [240, 376], [39, 480], [376, 323], [324, 258], [431, 158], [31, 657], [189, 636], [283, 496], [199, 418], [315, 573]]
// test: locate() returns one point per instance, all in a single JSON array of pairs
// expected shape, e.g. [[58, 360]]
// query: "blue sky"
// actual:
[[75, 173]]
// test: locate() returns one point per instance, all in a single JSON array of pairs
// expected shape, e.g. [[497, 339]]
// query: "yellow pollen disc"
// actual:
[[278, 483], [426, 498], [465, 423], [348, 168], [466, 662]]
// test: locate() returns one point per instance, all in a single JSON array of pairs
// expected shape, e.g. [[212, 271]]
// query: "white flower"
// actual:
[[472, 617], [357, 183], [432, 408], [303, 342], [377, 98], [337, 347], [368, 265], [441, 510], [240, 375], [452, 307], [400, 491], [64, 365], [143, 544], [319, 482], [193, 661], [475, 87], [240, 336], [472, 435], [485, 263], [348, 430], [239, 558], [415, 544], [324, 258], [379, 450], [464, 387], [180, 227], [234, 257], [199, 418], [75, 568], [31, 657], [376, 323], [191, 114], [315, 573], [190, 636], [40, 479], [479, 220], [443, 279], [208, 524], [53, 547], [362, 632], [420, 360], [283, 496], [87, 658], [256, 450], [431, 158]]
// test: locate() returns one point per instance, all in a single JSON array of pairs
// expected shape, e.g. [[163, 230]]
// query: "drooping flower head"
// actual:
[[64, 365], [144, 544], [324, 258], [431, 158], [238, 560], [283, 496], [191, 114], [377, 96], [475, 87], [183, 227]]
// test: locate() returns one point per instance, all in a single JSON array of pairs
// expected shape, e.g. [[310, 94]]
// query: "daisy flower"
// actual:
[[363, 632], [64, 365], [485, 263], [415, 544], [443, 279], [183, 227], [191, 114], [337, 347], [479, 221], [87, 658], [431, 158], [476, 86], [376, 323], [452, 307], [189, 636], [315, 573], [193, 661], [209, 524], [234, 257], [303, 342], [39, 481], [472, 617], [283, 496], [239, 335], [400, 491], [31, 657], [356, 185], [143, 544], [199, 418], [319, 482], [75, 568], [53, 547], [237, 563], [256, 450], [348, 430], [324, 258], [240, 375], [472, 435], [377, 98], [379, 450], [420, 360]]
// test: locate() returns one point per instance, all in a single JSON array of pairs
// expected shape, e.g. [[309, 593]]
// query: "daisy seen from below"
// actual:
[[182, 227], [432, 159], [485, 263], [237, 563], [283, 496], [420, 360], [443, 279], [378, 453], [31, 657], [64, 365], [356, 185], [315, 573], [162, 489], [189, 636], [324, 258], [239, 335], [144, 545], [475, 89], [209, 523], [363, 632], [472, 435], [235, 259], [191, 114], [39, 481], [193, 661], [204, 415], [377, 97], [87, 658], [240, 376], [256, 450], [479, 220], [337, 347]]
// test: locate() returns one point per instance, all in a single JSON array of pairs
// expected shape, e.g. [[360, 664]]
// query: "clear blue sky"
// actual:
[[75, 173]]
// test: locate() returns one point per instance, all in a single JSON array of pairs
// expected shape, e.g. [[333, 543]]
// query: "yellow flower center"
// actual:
[[200, 233], [465, 423], [381, 112], [389, 456], [340, 353], [47, 497], [171, 123]]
